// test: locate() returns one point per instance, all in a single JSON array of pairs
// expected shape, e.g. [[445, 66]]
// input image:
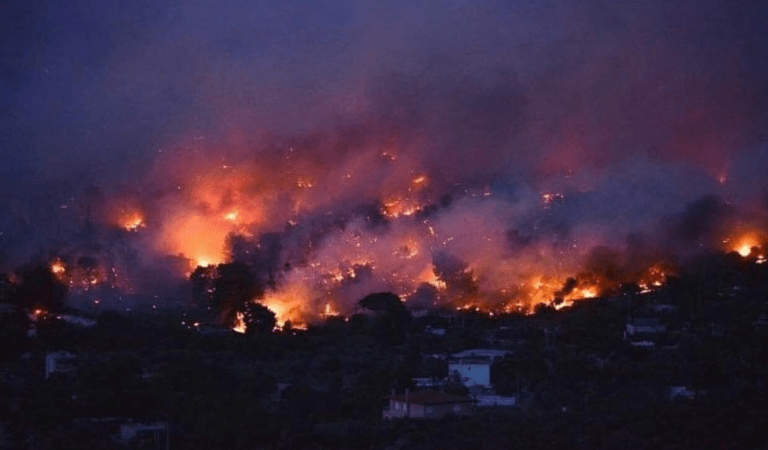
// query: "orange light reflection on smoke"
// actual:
[[132, 220]]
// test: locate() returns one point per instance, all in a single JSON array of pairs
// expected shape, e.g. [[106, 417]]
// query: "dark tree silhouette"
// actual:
[[258, 319], [235, 287], [383, 302], [39, 289], [203, 284], [392, 317]]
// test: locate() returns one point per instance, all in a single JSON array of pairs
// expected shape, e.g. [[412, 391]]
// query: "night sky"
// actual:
[[487, 149]]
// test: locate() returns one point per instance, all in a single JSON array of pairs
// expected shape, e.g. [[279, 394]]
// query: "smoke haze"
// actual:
[[490, 150]]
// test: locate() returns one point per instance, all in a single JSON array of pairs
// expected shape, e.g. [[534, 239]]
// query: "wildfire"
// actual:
[[329, 311], [745, 243], [394, 208], [200, 239], [654, 277], [429, 276], [239, 326], [209, 208], [289, 304], [132, 221], [550, 198], [58, 268], [582, 293]]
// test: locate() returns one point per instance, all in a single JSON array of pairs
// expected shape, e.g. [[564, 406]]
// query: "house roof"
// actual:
[[470, 361], [482, 353], [645, 322], [429, 397]]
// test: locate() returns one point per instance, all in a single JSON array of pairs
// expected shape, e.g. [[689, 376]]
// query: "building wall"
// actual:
[[437, 411], [472, 374], [419, 411]]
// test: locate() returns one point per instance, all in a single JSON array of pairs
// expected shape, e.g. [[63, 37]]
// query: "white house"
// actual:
[[471, 372], [473, 367]]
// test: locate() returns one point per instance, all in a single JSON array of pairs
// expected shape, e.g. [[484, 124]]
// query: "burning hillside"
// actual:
[[321, 245], [470, 155]]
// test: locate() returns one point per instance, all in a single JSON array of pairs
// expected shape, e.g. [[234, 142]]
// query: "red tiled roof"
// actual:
[[431, 398]]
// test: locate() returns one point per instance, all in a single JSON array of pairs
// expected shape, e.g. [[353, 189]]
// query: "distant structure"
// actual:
[[473, 367], [644, 326], [427, 405], [60, 362]]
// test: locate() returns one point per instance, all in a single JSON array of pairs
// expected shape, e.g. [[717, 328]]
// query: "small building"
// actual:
[[60, 362], [471, 371], [644, 326], [427, 404], [473, 367]]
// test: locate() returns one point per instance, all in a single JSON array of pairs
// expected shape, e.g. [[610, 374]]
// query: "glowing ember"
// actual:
[[550, 198], [58, 268], [395, 208], [420, 179]]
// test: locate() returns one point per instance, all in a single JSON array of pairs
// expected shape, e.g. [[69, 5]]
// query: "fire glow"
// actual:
[[457, 257], [132, 221], [746, 243], [370, 223]]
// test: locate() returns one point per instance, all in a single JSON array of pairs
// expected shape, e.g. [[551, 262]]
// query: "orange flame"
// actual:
[[58, 268], [743, 244], [132, 221], [239, 326]]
